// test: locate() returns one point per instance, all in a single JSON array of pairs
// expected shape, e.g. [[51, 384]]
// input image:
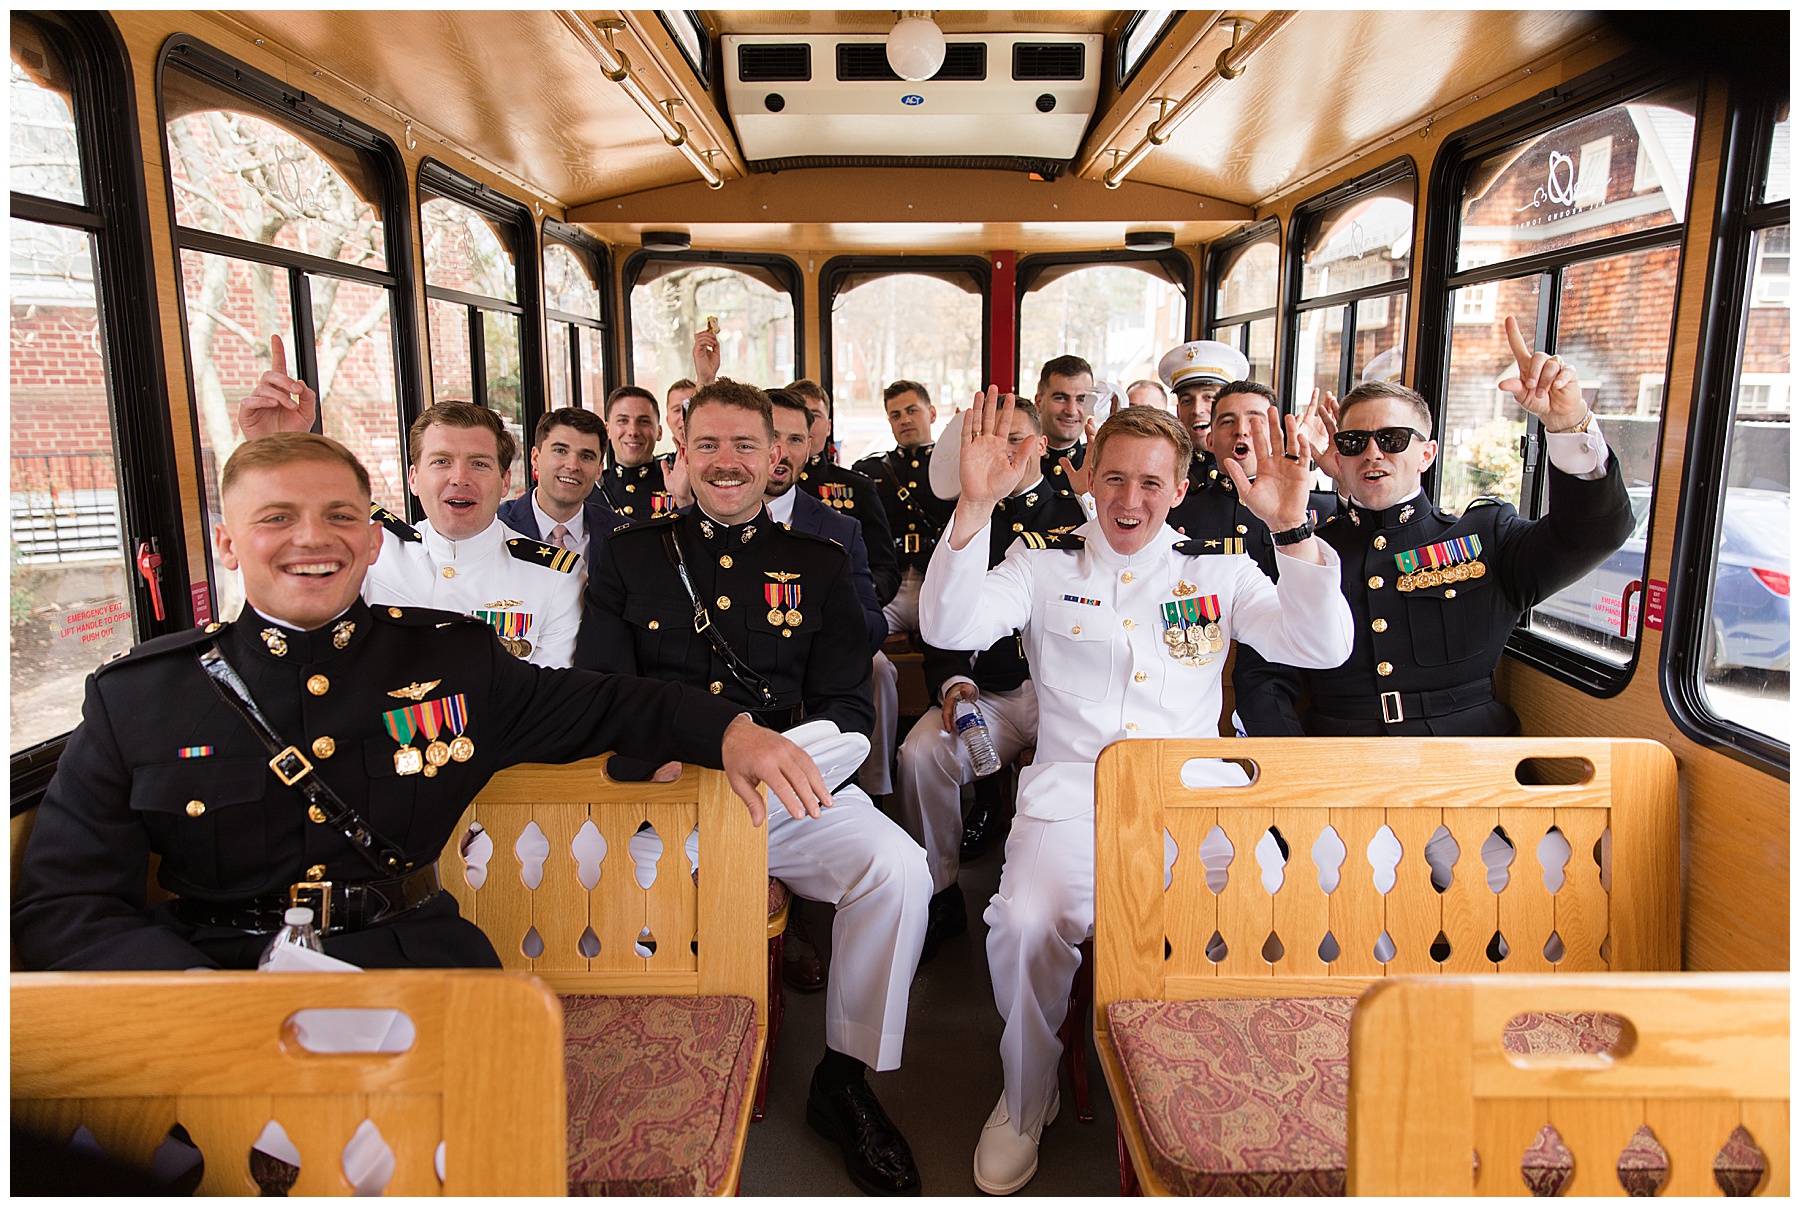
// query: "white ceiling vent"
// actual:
[[999, 100]]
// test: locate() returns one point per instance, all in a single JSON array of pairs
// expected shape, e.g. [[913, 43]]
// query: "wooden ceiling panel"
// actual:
[[1333, 82]]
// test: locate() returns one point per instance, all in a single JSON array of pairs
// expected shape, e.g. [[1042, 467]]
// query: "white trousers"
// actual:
[[876, 775], [935, 765], [853, 856], [903, 610]]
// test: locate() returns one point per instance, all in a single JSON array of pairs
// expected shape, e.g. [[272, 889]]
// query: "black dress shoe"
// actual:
[[987, 822], [875, 1153], [945, 916]]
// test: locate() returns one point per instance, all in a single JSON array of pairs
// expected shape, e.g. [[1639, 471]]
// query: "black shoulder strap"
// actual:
[[932, 529], [746, 676], [293, 769]]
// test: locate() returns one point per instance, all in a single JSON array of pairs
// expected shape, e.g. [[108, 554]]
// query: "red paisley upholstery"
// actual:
[[1548, 1164], [1240, 1096], [655, 1088], [1740, 1165], [1644, 1165], [779, 896], [1561, 1033]]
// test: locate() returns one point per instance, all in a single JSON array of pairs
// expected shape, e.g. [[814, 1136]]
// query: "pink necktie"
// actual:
[[559, 536]]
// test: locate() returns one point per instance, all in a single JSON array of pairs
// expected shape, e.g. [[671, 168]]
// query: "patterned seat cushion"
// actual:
[[779, 896], [1240, 1096], [655, 1085]]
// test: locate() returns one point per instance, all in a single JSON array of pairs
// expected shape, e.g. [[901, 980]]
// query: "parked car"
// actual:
[[1749, 612]]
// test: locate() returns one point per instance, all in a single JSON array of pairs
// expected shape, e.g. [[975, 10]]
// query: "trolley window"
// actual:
[[1245, 275], [1120, 314], [574, 318], [669, 297]]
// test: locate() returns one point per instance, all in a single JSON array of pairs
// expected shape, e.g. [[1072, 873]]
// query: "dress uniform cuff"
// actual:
[[1578, 454]]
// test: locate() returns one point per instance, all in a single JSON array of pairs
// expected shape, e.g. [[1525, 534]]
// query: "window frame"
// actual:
[[599, 260], [1124, 73], [1029, 268], [1217, 253], [838, 268], [116, 220], [438, 180], [703, 69], [1739, 215], [783, 268], [1294, 269], [1438, 279]]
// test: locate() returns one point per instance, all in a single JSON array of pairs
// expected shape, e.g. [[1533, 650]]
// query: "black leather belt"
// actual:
[[337, 908], [1394, 707]]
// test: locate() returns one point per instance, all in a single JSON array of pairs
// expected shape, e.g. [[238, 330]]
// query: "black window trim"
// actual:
[[1219, 251], [1738, 217], [1029, 268], [783, 268], [1612, 84], [182, 52], [599, 262], [1293, 305], [703, 69], [439, 180], [1123, 74], [837, 269], [116, 215]]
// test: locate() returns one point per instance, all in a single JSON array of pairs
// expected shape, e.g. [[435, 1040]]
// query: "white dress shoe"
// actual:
[[1004, 1159]]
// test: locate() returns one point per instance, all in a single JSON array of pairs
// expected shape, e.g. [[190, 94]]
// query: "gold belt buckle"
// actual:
[[323, 888], [913, 542], [282, 765], [1397, 713]]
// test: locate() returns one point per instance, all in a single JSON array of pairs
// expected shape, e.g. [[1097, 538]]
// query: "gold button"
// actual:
[[1131, 725], [324, 748], [214, 626], [912, 527], [655, 624], [724, 602], [1130, 623], [1057, 471], [394, 612], [915, 465], [715, 687], [316, 813], [316, 872], [195, 808], [449, 571], [1242, 530], [1076, 630], [1375, 582], [1450, 594], [318, 685], [1378, 624], [787, 632], [1017, 527], [1141, 676], [1381, 542], [912, 485], [1384, 668], [628, 510], [630, 489], [1127, 576], [724, 561]]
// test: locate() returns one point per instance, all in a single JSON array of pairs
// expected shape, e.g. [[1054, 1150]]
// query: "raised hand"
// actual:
[[1278, 496], [279, 403], [754, 756], [986, 467], [1080, 480], [706, 356], [1544, 386], [675, 478], [1320, 423]]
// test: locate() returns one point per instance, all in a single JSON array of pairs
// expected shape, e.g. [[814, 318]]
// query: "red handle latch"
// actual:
[[149, 564], [1634, 587]]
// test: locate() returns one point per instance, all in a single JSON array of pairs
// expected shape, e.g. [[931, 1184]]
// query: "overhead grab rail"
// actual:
[[615, 66], [1170, 114]]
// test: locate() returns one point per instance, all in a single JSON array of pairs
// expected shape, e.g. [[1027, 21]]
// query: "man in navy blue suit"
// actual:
[[565, 462]]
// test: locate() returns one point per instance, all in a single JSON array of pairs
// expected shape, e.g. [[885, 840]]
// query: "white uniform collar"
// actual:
[[288, 624], [781, 507], [1159, 545], [488, 540]]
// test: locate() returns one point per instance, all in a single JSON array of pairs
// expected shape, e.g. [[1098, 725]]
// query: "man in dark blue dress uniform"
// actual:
[[903, 476], [402, 713]]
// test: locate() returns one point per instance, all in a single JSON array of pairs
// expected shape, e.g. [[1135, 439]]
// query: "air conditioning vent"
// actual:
[[861, 61], [773, 62], [1048, 61]]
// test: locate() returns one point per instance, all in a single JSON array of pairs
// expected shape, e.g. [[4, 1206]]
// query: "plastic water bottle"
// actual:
[[972, 727], [297, 929]]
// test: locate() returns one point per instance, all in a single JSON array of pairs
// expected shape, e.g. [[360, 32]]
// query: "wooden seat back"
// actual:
[[1430, 1080], [129, 1054], [1152, 943]]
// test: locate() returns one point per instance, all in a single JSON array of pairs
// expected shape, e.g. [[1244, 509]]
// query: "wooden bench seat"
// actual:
[[1264, 928]]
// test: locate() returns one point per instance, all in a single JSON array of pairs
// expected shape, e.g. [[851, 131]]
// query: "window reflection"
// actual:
[[463, 251], [672, 300], [1119, 318], [44, 157], [901, 325]]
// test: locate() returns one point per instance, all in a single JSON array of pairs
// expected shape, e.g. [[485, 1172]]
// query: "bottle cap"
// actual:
[[299, 915]]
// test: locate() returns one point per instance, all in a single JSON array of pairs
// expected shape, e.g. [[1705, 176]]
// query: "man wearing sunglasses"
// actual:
[[1436, 595]]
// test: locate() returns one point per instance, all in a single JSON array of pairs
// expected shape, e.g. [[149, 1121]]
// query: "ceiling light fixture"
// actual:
[[915, 46], [667, 240]]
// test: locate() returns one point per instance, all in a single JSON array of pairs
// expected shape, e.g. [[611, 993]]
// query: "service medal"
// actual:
[[1215, 639], [462, 749], [510, 627], [793, 617], [775, 615], [456, 716], [524, 648], [408, 761], [437, 754]]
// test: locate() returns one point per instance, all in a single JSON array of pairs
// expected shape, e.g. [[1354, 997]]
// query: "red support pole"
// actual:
[[1003, 335]]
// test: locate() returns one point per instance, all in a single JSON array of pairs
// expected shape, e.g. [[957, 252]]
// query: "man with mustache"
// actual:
[[725, 598]]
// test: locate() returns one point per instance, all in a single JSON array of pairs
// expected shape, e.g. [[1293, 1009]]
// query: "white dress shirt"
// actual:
[[1092, 623], [576, 524], [481, 574]]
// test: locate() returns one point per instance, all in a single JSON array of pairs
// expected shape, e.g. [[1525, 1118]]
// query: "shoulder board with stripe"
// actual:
[[1053, 540], [1485, 501], [1199, 546], [393, 523], [528, 550]]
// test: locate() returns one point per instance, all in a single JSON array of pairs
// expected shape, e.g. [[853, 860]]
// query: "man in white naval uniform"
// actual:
[[1125, 629], [461, 558]]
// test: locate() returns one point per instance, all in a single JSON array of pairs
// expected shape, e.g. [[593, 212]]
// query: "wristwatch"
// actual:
[[1293, 536], [1587, 421]]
